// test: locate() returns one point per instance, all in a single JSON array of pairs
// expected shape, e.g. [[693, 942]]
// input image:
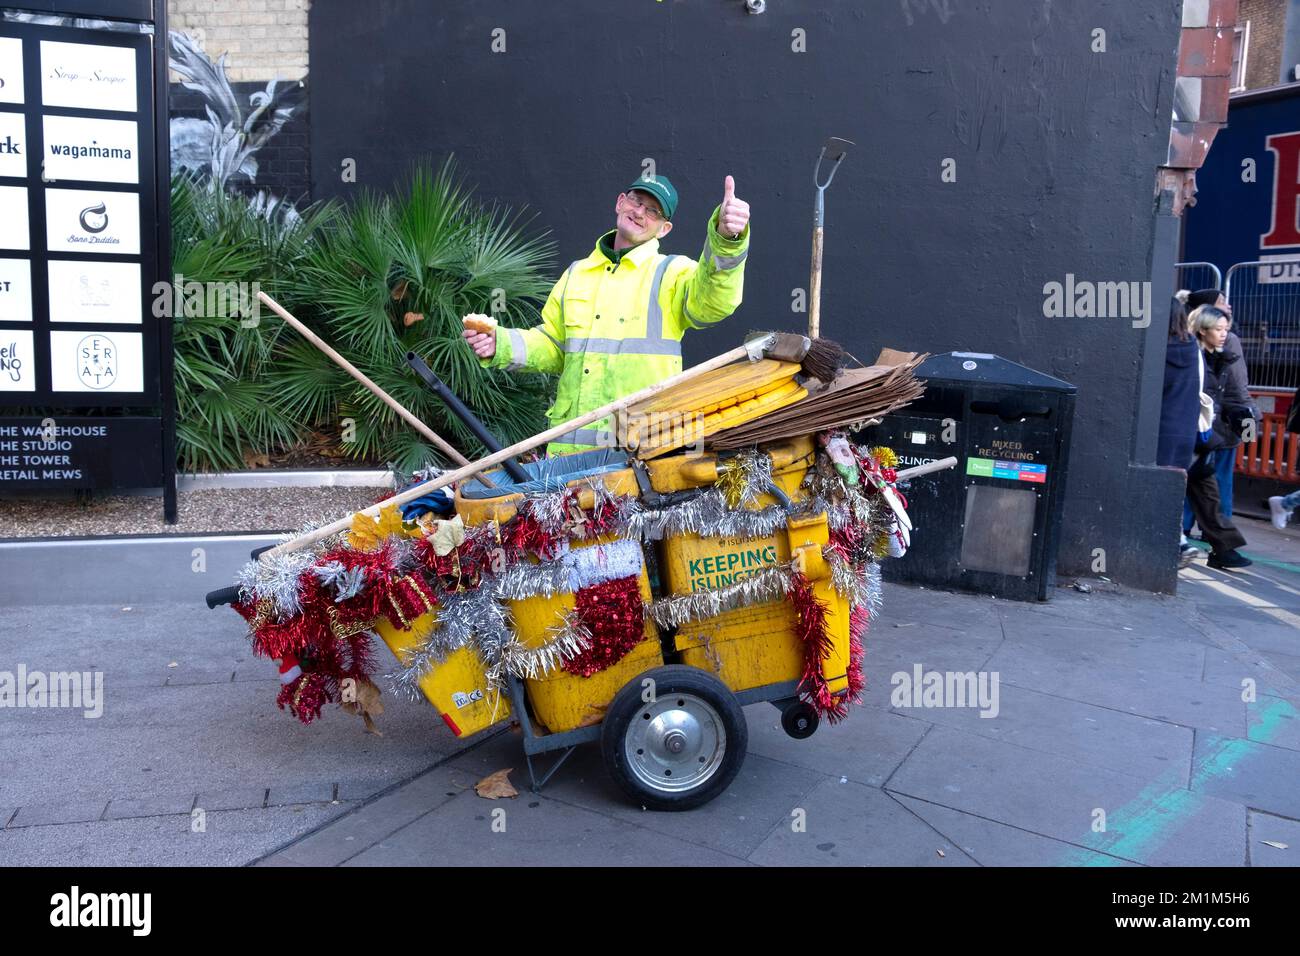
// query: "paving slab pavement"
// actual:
[[1131, 730]]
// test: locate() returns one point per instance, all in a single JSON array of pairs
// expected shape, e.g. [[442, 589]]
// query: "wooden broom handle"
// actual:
[[528, 444], [361, 377]]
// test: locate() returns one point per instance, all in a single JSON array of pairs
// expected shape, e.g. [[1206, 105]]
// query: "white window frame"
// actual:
[[1244, 30]]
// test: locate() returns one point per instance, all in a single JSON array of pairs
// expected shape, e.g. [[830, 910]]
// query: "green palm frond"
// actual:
[[351, 274]]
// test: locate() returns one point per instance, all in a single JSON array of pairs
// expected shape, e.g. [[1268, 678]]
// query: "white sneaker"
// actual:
[[1279, 513]]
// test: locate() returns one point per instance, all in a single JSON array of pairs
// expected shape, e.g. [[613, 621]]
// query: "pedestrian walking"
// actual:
[[1180, 404], [1210, 325], [1281, 506]]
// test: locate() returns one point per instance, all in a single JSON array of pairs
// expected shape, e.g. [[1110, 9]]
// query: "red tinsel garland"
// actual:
[[304, 697], [858, 618], [811, 630], [612, 612], [464, 566], [329, 637]]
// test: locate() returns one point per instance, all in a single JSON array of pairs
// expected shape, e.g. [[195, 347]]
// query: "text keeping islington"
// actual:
[[715, 570]]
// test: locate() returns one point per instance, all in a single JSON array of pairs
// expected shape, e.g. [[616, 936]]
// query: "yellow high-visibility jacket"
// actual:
[[609, 330]]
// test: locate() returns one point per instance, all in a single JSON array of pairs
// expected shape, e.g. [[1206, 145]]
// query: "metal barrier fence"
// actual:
[[1197, 275], [1265, 300], [1273, 454]]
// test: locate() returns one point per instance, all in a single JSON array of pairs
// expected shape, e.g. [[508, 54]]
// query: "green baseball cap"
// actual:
[[661, 189]]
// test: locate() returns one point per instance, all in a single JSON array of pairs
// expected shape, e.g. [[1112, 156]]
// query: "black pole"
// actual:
[[490, 441]]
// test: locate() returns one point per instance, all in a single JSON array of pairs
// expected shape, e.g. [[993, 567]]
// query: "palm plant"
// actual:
[[226, 400], [430, 256]]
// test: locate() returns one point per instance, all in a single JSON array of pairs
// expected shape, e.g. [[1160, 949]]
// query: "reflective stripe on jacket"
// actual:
[[609, 330]]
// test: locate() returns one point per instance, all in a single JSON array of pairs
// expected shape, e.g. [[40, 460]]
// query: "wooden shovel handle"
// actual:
[[815, 286], [361, 377]]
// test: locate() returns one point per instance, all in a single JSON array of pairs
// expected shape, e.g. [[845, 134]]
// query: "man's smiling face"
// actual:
[[639, 218]]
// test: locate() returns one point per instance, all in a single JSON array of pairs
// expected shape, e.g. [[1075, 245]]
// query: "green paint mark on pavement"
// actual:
[[1164, 806]]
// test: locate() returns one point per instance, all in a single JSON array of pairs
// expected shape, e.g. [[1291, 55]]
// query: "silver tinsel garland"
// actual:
[[525, 579], [768, 584], [467, 617], [568, 640], [276, 577], [843, 504], [875, 590], [849, 582], [709, 516], [480, 618], [346, 582]]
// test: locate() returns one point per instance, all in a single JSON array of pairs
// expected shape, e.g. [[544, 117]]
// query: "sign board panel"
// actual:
[[84, 237]]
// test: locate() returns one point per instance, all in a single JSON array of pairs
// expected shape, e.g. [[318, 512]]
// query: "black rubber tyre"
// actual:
[[800, 720], [679, 750]]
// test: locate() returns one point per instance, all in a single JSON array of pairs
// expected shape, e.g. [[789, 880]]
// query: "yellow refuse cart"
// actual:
[[667, 714]]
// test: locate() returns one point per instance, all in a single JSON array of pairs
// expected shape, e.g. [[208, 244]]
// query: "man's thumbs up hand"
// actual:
[[733, 216]]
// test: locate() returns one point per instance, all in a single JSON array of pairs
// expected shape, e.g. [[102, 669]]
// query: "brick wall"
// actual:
[[263, 40], [1267, 28]]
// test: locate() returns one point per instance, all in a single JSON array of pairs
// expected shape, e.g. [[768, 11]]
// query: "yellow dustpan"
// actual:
[[723, 398]]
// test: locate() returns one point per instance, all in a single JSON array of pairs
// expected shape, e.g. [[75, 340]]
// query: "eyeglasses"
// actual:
[[649, 209]]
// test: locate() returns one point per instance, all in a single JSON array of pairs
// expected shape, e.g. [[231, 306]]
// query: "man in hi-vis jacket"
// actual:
[[614, 321]]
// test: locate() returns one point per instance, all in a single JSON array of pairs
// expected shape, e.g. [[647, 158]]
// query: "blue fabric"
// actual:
[[1180, 405], [1224, 461], [1292, 501], [549, 474], [439, 502]]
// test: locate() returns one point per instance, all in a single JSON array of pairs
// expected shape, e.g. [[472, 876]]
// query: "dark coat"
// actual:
[[1180, 405], [1228, 411], [1236, 390]]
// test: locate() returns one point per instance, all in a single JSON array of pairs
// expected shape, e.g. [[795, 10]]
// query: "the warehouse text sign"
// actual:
[[80, 452]]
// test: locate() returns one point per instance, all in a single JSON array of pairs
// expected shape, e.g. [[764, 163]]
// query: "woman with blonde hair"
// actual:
[[1210, 326]]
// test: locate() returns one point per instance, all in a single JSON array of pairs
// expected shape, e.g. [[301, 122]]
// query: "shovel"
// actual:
[[461, 411], [834, 149]]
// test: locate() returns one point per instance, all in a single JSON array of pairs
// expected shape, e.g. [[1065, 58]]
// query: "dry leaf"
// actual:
[[941, 853], [367, 704], [1274, 843], [173, 664], [367, 533], [399, 291], [254, 460], [496, 785], [411, 318]]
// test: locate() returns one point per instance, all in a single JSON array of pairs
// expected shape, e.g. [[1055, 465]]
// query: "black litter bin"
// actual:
[[992, 523]]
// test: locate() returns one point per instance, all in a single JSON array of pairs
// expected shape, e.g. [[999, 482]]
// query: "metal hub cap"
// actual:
[[675, 743]]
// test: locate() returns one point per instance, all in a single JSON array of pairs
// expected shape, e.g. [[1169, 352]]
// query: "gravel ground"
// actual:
[[217, 510]]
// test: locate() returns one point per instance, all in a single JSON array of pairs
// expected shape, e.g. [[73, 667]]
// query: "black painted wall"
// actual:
[[1056, 148]]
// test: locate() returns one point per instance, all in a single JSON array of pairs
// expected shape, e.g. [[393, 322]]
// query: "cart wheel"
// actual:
[[800, 720], [680, 750]]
